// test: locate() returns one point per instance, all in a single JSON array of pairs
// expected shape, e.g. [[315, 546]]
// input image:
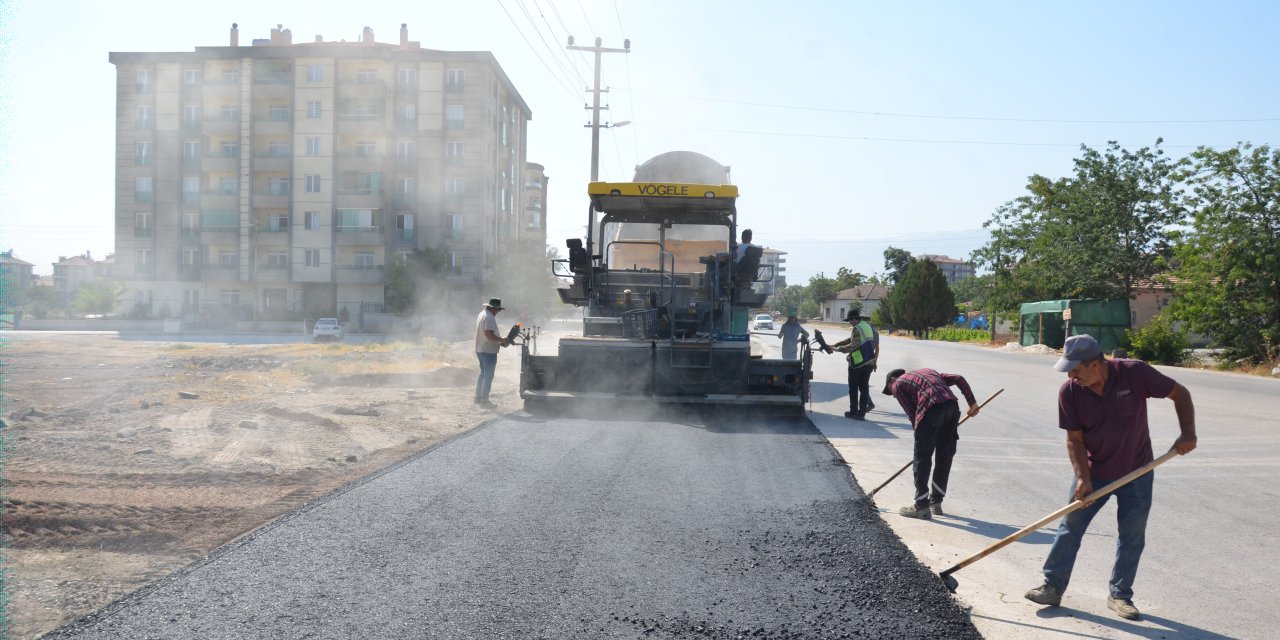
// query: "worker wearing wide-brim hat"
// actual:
[[488, 343], [863, 349], [791, 333]]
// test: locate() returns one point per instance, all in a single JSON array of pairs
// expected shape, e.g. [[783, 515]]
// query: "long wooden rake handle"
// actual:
[[1023, 532], [908, 465]]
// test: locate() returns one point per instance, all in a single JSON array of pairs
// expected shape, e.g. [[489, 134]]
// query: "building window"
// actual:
[[311, 220], [405, 185], [278, 148], [142, 153], [454, 265], [502, 198], [407, 113], [142, 260], [453, 226], [313, 146], [230, 76], [230, 113], [358, 220], [144, 116], [190, 115], [404, 226], [404, 151], [278, 187], [364, 260], [312, 183], [143, 189], [533, 220], [278, 112], [190, 300], [454, 116], [228, 186], [229, 148], [453, 152], [313, 109], [366, 76], [190, 77], [502, 127], [278, 223], [190, 152], [407, 76], [142, 223], [366, 149], [454, 189], [144, 81], [315, 73], [456, 79], [227, 258], [229, 297], [190, 224], [277, 260], [311, 257], [190, 189], [190, 259]]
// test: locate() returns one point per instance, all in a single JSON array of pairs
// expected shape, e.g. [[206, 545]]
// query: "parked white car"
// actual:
[[327, 329], [763, 321]]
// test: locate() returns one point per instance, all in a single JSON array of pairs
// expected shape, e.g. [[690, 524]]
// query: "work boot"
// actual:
[[853, 416], [1123, 608], [936, 508], [916, 511], [1045, 594]]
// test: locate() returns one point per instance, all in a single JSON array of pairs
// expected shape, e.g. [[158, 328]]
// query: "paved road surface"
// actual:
[[626, 528], [1209, 567]]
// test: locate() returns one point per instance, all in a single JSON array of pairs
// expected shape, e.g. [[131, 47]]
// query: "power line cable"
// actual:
[[587, 18], [573, 62], [558, 79], [631, 96], [916, 140], [551, 50], [950, 117]]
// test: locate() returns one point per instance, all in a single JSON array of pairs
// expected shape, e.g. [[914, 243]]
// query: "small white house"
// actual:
[[869, 295]]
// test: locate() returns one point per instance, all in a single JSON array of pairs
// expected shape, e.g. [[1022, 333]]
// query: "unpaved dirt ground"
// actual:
[[112, 480]]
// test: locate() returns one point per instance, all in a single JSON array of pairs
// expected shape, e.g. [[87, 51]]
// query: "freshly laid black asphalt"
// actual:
[[695, 527]]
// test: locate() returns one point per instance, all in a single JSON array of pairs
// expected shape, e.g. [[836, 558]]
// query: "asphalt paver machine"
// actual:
[[665, 307]]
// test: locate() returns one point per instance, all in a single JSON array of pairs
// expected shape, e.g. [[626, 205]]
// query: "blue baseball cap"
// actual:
[[1077, 349]]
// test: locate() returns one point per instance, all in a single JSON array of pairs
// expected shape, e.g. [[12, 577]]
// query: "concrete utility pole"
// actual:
[[595, 108]]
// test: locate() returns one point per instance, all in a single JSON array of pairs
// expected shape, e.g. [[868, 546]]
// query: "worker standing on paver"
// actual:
[[934, 412], [791, 333], [1103, 408], [863, 348]]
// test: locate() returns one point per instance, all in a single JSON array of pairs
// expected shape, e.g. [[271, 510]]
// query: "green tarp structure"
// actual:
[[1044, 323]]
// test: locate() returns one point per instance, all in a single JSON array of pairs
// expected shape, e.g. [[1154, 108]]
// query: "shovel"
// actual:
[[908, 465], [1021, 533]]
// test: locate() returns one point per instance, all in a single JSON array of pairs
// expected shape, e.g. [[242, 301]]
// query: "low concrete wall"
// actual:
[[107, 324]]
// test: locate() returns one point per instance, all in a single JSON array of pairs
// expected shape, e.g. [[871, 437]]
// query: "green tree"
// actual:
[[788, 299], [921, 300], [896, 263], [1228, 267], [974, 291], [414, 281], [848, 279], [100, 298], [1096, 234], [821, 288]]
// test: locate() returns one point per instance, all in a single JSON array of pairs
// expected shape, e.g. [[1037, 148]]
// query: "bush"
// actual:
[[1158, 342], [958, 334]]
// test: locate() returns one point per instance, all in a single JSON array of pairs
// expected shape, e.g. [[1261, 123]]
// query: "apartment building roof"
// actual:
[[864, 292], [7, 257]]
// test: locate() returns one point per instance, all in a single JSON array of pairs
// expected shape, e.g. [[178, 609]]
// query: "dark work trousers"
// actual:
[[859, 392], [935, 435]]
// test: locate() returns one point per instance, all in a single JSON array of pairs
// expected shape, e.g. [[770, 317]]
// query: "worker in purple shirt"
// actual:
[[934, 412], [1103, 408]]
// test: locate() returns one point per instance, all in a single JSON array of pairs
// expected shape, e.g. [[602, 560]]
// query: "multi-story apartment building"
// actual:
[[280, 179], [773, 258], [534, 227], [72, 273], [953, 269], [16, 274]]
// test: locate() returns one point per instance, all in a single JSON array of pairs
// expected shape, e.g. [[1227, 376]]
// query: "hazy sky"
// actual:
[[849, 126]]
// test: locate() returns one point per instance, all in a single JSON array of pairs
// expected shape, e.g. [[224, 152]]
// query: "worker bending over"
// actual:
[[934, 412]]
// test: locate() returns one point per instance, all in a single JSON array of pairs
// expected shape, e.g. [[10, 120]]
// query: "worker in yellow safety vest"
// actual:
[[863, 348]]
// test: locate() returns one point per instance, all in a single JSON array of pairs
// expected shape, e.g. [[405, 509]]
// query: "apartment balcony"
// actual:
[[365, 236], [222, 84], [142, 232], [192, 162], [269, 236], [406, 125], [272, 273], [360, 160], [191, 197], [406, 162], [406, 87], [219, 272], [227, 125], [271, 198], [144, 196], [404, 236], [360, 274], [222, 161], [189, 236], [269, 162], [359, 198], [267, 125], [455, 87], [188, 272], [352, 88], [405, 200], [220, 200], [191, 125]]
